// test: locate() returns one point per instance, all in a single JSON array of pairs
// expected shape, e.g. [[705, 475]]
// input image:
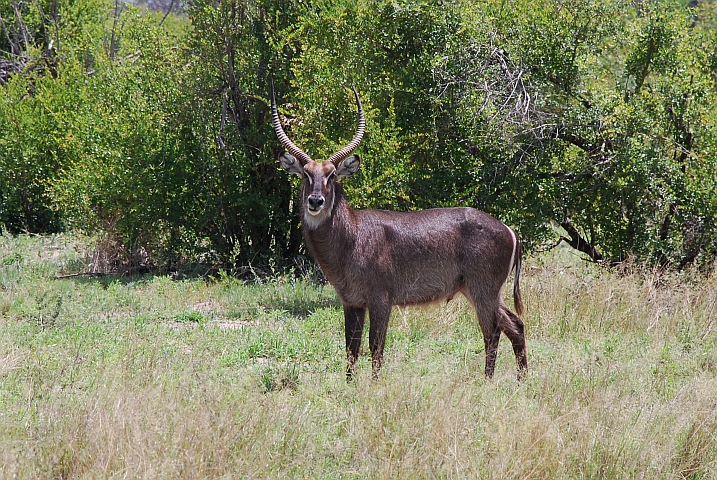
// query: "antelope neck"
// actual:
[[332, 233]]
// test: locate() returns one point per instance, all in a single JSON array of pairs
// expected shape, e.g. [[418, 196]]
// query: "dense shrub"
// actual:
[[589, 118]]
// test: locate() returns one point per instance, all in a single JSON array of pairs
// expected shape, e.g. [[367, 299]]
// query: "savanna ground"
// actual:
[[154, 377]]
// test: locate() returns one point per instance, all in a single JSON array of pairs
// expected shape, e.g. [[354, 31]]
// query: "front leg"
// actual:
[[353, 322], [379, 316]]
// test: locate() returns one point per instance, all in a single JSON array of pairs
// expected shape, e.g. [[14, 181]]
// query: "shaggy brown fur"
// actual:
[[376, 258]]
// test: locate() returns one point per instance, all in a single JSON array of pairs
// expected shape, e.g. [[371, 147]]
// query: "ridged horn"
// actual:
[[300, 155], [337, 157]]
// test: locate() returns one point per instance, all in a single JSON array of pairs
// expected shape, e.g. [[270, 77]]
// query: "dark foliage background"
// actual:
[[591, 120]]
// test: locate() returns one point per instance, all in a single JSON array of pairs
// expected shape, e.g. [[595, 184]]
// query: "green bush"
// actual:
[[590, 116]]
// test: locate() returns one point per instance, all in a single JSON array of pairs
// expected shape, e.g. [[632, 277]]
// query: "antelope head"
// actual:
[[317, 193]]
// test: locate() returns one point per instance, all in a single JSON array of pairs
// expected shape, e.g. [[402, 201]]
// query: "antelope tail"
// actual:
[[517, 299]]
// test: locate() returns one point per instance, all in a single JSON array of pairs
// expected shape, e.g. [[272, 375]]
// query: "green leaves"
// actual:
[[592, 114], [622, 105]]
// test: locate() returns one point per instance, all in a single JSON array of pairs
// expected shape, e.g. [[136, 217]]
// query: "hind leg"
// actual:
[[514, 329], [488, 320], [491, 336]]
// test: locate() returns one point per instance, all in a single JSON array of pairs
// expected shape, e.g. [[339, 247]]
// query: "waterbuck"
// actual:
[[376, 258]]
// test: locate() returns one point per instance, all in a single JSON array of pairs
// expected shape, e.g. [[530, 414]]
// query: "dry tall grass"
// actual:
[[150, 378]]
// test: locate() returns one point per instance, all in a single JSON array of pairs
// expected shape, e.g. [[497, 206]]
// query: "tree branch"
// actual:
[[579, 243]]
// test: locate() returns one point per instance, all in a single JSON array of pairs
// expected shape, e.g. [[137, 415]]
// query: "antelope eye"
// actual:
[[308, 177]]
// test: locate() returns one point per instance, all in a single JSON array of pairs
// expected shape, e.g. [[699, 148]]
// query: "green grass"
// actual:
[[148, 377]]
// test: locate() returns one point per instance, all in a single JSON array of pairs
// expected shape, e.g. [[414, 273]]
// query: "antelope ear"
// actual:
[[290, 164], [349, 166]]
